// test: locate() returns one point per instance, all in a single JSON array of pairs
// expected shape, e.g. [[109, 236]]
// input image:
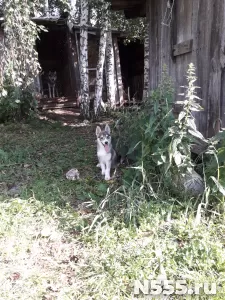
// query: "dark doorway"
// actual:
[[132, 69], [54, 55]]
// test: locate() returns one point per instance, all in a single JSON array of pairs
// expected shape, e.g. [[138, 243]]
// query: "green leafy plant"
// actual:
[[215, 165], [184, 132], [159, 147], [16, 103], [142, 135]]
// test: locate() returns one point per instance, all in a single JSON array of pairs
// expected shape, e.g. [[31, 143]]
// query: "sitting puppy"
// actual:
[[106, 154]]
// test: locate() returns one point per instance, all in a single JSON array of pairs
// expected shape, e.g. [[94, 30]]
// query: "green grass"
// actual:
[[49, 249]]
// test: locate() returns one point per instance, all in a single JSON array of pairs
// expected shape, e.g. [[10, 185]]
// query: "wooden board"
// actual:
[[183, 47]]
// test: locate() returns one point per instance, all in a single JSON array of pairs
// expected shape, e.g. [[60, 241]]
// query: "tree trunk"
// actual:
[[110, 68], [85, 101], [46, 8], [75, 11], [146, 63], [101, 59]]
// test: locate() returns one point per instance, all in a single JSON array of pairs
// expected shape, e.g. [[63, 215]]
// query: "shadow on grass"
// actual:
[[34, 158], [40, 247]]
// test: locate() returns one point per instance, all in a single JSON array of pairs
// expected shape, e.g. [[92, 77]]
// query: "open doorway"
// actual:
[[132, 69], [54, 55]]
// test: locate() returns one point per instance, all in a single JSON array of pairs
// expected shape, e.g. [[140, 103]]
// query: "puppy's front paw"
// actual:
[[103, 173], [107, 177]]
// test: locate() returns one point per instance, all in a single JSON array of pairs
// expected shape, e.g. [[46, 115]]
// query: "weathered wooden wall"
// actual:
[[201, 24]]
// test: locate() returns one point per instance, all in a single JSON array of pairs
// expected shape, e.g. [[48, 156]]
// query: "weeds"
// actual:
[[182, 228], [89, 239]]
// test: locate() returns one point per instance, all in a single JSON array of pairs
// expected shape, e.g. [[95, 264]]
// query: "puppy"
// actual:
[[106, 154]]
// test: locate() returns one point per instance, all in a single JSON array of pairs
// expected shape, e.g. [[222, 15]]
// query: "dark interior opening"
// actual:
[[53, 53], [132, 69]]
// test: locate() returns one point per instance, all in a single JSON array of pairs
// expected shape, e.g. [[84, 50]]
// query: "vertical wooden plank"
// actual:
[[165, 21], [73, 64], [202, 24], [1, 54], [71, 74], [184, 32], [222, 61], [215, 67], [76, 59], [161, 31], [152, 7], [222, 103], [118, 70]]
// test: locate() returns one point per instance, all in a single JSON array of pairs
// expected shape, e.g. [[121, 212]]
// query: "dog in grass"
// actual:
[[107, 156]]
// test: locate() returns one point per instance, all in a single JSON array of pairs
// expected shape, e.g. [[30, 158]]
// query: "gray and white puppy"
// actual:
[[106, 154], [52, 81]]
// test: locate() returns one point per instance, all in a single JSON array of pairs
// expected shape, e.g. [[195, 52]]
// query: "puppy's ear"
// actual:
[[97, 131], [107, 128]]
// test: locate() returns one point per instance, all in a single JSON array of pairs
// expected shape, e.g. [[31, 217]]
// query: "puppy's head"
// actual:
[[52, 76], [104, 137]]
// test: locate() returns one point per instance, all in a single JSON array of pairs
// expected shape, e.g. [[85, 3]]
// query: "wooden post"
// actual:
[[118, 71]]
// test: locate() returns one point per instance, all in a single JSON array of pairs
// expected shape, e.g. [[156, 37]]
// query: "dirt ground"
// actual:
[[69, 117]]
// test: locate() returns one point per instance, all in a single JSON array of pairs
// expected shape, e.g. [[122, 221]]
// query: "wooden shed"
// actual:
[[181, 32], [58, 50]]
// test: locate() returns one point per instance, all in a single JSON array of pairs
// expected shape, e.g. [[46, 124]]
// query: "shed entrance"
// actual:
[[54, 55]]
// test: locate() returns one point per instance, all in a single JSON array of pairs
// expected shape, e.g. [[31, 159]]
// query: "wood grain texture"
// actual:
[[203, 23], [183, 47], [1, 53]]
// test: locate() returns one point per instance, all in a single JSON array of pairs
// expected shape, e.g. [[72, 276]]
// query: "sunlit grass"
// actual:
[[56, 243]]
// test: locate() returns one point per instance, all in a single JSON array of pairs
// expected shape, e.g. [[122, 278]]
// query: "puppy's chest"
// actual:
[[103, 155]]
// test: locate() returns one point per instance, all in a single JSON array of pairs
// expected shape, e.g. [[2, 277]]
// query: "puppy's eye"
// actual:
[[101, 138]]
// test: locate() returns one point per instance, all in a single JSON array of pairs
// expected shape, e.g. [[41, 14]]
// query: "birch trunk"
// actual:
[[110, 68], [146, 63], [74, 11], [73, 7], [46, 8], [101, 60], [85, 101]]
